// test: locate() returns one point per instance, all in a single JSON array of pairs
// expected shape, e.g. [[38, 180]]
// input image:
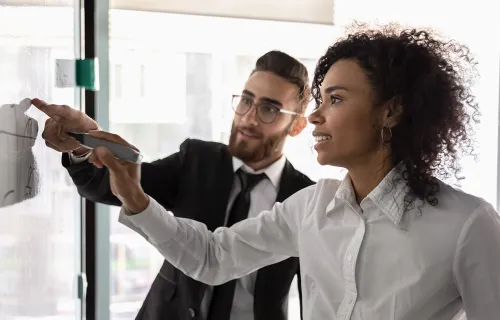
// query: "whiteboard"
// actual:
[[18, 174]]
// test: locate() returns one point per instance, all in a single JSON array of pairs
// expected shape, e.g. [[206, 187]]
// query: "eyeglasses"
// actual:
[[266, 111]]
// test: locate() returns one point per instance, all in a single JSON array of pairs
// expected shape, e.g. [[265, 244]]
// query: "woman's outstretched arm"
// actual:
[[227, 253]]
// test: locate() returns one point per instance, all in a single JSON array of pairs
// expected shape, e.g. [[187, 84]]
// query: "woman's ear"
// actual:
[[298, 125], [392, 113]]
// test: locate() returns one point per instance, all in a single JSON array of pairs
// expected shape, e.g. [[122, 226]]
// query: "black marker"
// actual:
[[119, 151]]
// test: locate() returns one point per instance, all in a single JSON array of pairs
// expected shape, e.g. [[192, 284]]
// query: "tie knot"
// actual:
[[248, 180]]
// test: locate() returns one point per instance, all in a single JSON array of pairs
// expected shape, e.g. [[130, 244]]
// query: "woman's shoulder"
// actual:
[[455, 193], [328, 184], [461, 203], [323, 185], [322, 188]]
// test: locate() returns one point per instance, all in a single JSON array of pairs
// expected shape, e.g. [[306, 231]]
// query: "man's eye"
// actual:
[[270, 108], [246, 101]]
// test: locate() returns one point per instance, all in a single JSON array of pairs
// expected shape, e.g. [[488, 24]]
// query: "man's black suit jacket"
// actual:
[[195, 183]]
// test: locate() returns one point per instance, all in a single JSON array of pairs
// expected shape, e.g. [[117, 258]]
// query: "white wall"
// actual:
[[310, 11]]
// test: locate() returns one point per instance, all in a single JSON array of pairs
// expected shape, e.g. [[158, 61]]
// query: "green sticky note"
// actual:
[[87, 74]]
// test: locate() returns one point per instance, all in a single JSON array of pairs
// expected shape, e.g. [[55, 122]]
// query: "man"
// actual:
[[214, 184]]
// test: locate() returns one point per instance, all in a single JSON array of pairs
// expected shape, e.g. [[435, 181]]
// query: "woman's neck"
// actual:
[[366, 177]]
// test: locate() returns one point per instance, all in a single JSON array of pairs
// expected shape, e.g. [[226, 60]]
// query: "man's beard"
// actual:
[[264, 149]]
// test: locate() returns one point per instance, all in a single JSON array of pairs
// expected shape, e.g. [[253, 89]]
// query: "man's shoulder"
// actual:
[[304, 179], [203, 147], [299, 177]]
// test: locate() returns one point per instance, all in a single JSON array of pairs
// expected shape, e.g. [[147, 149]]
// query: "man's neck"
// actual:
[[264, 163]]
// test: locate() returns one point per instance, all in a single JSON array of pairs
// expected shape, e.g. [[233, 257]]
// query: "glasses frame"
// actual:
[[258, 105]]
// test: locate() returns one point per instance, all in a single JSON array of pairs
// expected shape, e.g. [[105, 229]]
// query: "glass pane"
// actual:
[[39, 206], [167, 88]]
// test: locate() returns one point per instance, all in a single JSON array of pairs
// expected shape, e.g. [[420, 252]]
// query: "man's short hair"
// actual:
[[290, 69]]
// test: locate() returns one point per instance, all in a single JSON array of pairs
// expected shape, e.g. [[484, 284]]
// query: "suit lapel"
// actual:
[[288, 185], [221, 191], [220, 199]]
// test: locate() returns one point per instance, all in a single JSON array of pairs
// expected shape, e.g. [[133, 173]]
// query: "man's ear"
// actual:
[[298, 125]]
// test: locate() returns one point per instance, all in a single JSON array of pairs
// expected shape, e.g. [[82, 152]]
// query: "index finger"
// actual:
[[54, 111]]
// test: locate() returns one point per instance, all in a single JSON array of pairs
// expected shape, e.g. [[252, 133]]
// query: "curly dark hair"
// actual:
[[431, 79]]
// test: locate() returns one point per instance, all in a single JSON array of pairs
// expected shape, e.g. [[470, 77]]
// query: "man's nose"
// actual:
[[251, 117]]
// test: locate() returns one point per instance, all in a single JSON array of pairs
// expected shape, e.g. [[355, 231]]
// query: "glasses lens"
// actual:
[[241, 104], [268, 113]]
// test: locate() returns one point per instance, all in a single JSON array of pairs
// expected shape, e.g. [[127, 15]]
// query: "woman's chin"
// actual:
[[325, 159], [322, 160]]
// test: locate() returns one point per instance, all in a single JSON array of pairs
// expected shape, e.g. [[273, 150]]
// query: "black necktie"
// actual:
[[222, 298]]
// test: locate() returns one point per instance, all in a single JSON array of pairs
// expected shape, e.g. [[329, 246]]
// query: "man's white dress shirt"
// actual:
[[262, 197], [379, 260]]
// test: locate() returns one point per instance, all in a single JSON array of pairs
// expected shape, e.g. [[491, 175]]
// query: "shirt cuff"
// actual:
[[155, 223], [74, 159]]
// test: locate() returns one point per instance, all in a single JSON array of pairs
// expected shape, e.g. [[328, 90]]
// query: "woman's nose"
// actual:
[[316, 117]]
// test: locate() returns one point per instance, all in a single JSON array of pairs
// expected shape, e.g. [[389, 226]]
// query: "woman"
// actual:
[[390, 241]]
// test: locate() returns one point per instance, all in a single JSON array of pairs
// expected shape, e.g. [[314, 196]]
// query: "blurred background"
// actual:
[[172, 67]]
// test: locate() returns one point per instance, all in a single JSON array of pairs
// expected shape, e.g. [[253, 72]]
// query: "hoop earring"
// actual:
[[386, 134]]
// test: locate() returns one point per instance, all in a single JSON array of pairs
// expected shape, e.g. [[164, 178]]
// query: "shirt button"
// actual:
[[192, 314], [349, 258]]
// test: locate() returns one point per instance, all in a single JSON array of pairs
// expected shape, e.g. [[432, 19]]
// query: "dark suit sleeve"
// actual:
[[159, 179], [299, 285]]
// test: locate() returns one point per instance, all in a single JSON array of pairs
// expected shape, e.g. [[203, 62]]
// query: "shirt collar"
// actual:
[[389, 196], [273, 172]]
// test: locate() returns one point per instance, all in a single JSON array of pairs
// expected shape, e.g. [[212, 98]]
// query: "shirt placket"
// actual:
[[350, 258]]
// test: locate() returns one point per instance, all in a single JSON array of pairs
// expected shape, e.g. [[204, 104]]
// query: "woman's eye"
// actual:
[[334, 100]]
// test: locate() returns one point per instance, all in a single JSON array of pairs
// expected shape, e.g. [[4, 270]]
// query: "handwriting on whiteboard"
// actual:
[[18, 174]]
